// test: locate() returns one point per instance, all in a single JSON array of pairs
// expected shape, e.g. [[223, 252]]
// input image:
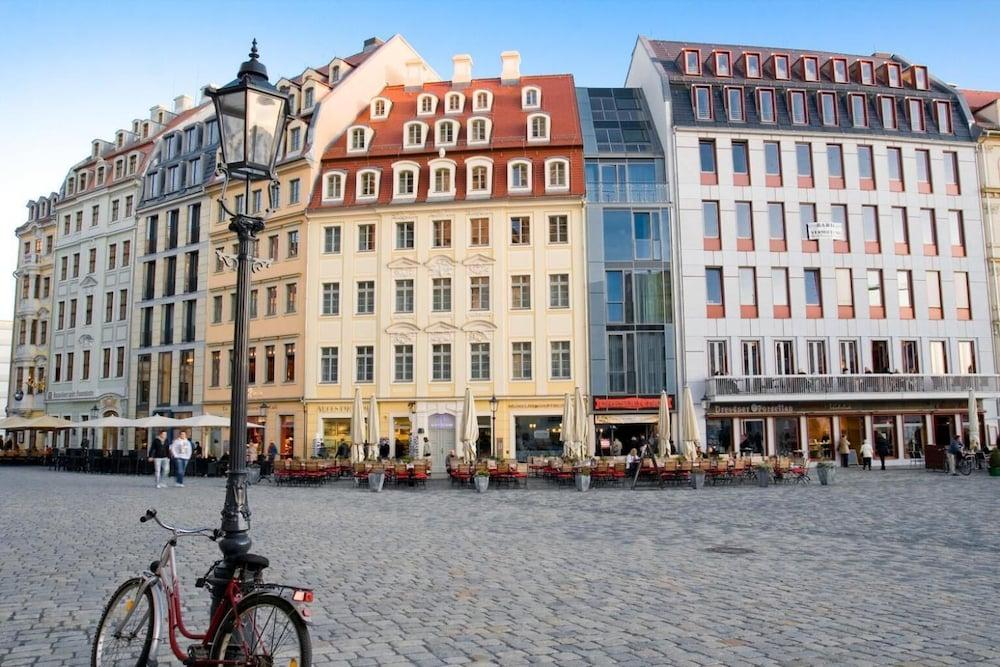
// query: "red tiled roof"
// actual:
[[977, 99], [508, 136]]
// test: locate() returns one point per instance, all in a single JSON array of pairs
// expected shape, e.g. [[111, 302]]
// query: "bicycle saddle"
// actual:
[[251, 561]]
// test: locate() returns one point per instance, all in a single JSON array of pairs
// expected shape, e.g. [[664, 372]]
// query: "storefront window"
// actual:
[[537, 435], [336, 431], [913, 436], [854, 428], [786, 430], [754, 438], [820, 433], [400, 437], [884, 426], [719, 435], [287, 436]]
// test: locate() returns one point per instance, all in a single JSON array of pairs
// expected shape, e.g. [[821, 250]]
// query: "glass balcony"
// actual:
[[627, 193], [848, 387]]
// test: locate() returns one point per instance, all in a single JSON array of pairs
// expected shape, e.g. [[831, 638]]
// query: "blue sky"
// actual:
[[73, 71]]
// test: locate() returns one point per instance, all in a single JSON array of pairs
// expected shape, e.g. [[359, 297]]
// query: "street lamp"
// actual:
[[251, 115], [94, 412], [494, 403]]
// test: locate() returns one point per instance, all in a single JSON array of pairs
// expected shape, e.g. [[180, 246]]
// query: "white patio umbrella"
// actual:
[[106, 422], [581, 422], [470, 426], [973, 418], [590, 438], [48, 421], [357, 426], [692, 437], [663, 425], [14, 423], [157, 421], [206, 421], [568, 425], [373, 434]]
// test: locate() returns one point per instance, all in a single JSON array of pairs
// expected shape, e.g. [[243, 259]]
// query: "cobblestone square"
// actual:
[[896, 567]]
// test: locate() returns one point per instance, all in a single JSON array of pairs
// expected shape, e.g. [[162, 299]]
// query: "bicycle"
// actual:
[[253, 624], [964, 462]]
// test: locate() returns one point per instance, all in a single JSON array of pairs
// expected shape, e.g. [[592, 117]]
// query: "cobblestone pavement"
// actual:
[[896, 567]]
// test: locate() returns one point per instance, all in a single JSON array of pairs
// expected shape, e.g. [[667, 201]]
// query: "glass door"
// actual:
[[754, 435]]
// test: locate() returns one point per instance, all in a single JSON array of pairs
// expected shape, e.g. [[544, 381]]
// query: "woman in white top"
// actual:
[[866, 455]]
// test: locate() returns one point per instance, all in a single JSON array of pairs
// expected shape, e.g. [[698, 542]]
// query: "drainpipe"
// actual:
[[992, 261]]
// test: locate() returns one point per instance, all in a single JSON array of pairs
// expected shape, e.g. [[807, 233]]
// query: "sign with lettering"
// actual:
[[630, 402], [825, 230]]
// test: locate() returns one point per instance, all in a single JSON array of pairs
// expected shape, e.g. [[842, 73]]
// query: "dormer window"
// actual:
[[446, 133], [867, 70], [294, 139], [479, 176], [810, 68], [307, 98], [734, 104], [71, 185], [478, 131], [454, 103], [333, 186], [405, 178], [367, 184], [335, 73], [723, 63], [892, 75], [414, 134], [519, 176], [797, 107], [145, 130], [83, 182], [133, 162], [915, 110], [100, 175], [887, 109], [556, 175], [538, 127], [380, 108], [919, 77], [781, 67], [827, 109], [752, 61], [426, 104], [766, 106], [702, 101], [482, 100], [359, 139], [942, 114], [839, 70], [692, 62], [859, 109], [120, 139], [442, 178], [531, 97]]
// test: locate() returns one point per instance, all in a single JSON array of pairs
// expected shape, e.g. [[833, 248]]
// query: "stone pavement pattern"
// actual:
[[897, 567]]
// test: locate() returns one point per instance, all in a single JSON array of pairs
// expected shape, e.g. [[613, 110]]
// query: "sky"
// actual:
[[74, 71]]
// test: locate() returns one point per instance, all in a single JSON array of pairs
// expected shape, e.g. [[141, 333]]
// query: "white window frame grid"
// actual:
[[530, 128], [447, 103], [475, 100], [524, 98], [358, 194], [550, 163], [455, 129], [432, 168], [470, 135], [420, 104], [471, 163], [423, 134], [387, 107], [510, 176], [399, 168], [326, 185], [565, 357]]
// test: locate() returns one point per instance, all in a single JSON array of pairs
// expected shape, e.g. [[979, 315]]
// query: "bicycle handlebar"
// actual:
[[212, 533]]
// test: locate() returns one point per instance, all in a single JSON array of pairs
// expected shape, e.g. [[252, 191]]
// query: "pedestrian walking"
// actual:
[[881, 448], [954, 449], [866, 455], [632, 462], [181, 450], [844, 448], [158, 454]]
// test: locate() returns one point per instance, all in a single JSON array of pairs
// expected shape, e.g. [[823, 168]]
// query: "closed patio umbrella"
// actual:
[[470, 426], [357, 426], [568, 426], [590, 438], [973, 418], [692, 437], [581, 422], [373, 434], [663, 425]]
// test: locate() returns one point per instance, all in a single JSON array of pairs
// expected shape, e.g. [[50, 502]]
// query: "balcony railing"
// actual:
[[625, 193], [818, 387]]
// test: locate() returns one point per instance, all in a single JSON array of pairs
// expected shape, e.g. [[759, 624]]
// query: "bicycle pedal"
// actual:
[[199, 582], [196, 653]]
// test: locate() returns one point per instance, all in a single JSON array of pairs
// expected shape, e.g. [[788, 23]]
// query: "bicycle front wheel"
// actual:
[[965, 465], [125, 632], [266, 630]]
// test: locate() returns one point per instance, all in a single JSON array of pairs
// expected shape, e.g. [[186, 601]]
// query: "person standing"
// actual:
[[157, 453], [844, 448], [881, 448], [616, 447], [954, 449], [181, 450], [866, 455]]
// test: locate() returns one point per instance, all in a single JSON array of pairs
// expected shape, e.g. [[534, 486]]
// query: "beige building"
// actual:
[[323, 102], [446, 250]]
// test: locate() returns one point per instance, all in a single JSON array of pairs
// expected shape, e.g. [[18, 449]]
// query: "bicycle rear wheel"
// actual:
[[266, 630], [129, 645], [965, 465]]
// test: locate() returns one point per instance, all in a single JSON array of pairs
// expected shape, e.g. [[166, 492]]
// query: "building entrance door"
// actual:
[[442, 439]]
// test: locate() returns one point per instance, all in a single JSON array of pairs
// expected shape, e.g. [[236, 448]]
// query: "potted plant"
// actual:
[[994, 464], [763, 470], [376, 478], [583, 478], [825, 470], [698, 478], [482, 480]]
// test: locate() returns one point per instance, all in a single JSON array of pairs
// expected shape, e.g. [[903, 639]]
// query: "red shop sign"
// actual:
[[631, 403]]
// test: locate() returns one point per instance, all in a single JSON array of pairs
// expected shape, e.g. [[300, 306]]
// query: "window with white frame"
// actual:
[[887, 109], [942, 113], [560, 360], [519, 176], [331, 239], [358, 139], [538, 127], [366, 238], [723, 63], [405, 235], [479, 176], [766, 109], [919, 77], [839, 69], [415, 134], [556, 174], [442, 177], [892, 75], [751, 62], [692, 62], [445, 133], [405, 179], [797, 106], [531, 97], [367, 185], [827, 103], [333, 186], [702, 102], [521, 360], [454, 103], [867, 70], [482, 100], [380, 108], [858, 103], [915, 110], [734, 104], [810, 68], [308, 98], [780, 67], [329, 365], [426, 104], [478, 131], [479, 368]]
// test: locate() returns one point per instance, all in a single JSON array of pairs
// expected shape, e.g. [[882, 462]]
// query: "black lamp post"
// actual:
[[494, 403], [94, 413], [251, 114]]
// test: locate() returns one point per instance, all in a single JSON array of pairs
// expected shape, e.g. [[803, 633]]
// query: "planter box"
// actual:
[[582, 482], [994, 472], [826, 475], [482, 483], [376, 480], [698, 479], [763, 477]]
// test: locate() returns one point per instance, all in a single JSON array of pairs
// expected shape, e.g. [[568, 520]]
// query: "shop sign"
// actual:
[[825, 230], [536, 405], [630, 402], [752, 409]]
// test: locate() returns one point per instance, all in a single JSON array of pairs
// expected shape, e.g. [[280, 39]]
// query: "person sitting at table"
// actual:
[[383, 449]]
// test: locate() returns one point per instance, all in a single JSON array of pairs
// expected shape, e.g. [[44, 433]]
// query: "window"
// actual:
[[329, 365], [520, 297], [839, 70], [294, 187], [365, 359], [803, 161], [702, 102], [557, 177], [479, 232], [531, 98], [915, 110], [478, 132], [933, 279], [765, 105], [781, 67], [887, 111], [923, 158], [741, 163], [859, 109], [962, 296], [88, 310], [334, 187], [560, 355], [867, 71], [784, 357], [559, 290], [723, 63], [845, 291], [813, 288], [331, 299], [441, 362], [692, 61], [810, 68], [366, 238], [942, 113], [734, 104], [706, 152], [967, 356], [519, 176], [744, 225], [520, 230], [929, 231], [950, 159], [482, 100], [426, 104], [713, 286], [404, 235], [293, 243], [480, 293], [367, 184], [521, 360], [901, 230], [269, 364], [718, 358], [869, 218], [752, 65], [441, 237], [939, 357], [366, 297], [848, 357], [904, 290], [289, 362], [816, 351], [402, 363], [748, 291], [807, 216], [216, 309], [406, 183], [776, 221], [441, 295], [109, 306], [866, 166], [772, 162], [414, 135], [876, 302], [446, 133], [92, 260], [892, 73], [331, 239], [779, 291], [710, 220], [272, 301], [272, 247], [797, 107], [894, 157], [479, 354], [751, 357], [291, 295], [828, 109], [358, 139], [835, 163], [479, 179]]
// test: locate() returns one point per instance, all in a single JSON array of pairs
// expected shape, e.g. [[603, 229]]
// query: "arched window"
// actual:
[[478, 177], [454, 102], [333, 186], [405, 184], [307, 98], [556, 174], [442, 180], [482, 100], [531, 97], [358, 139], [519, 176], [406, 176], [442, 174], [380, 108], [479, 130], [538, 127], [426, 104], [414, 136], [446, 133], [367, 184]]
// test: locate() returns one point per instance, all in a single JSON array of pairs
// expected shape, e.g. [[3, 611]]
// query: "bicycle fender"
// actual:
[[152, 582], [300, 608]]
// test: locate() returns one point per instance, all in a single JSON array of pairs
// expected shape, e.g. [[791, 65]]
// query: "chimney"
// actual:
[[463, 69], [511, 61], [371, 43], [182, 103], [414, 73]]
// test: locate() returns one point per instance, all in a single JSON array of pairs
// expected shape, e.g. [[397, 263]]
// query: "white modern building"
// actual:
[[829, 246]]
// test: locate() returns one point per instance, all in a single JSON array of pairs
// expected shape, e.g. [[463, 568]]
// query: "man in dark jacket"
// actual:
[[159, 455], [881, 447]]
